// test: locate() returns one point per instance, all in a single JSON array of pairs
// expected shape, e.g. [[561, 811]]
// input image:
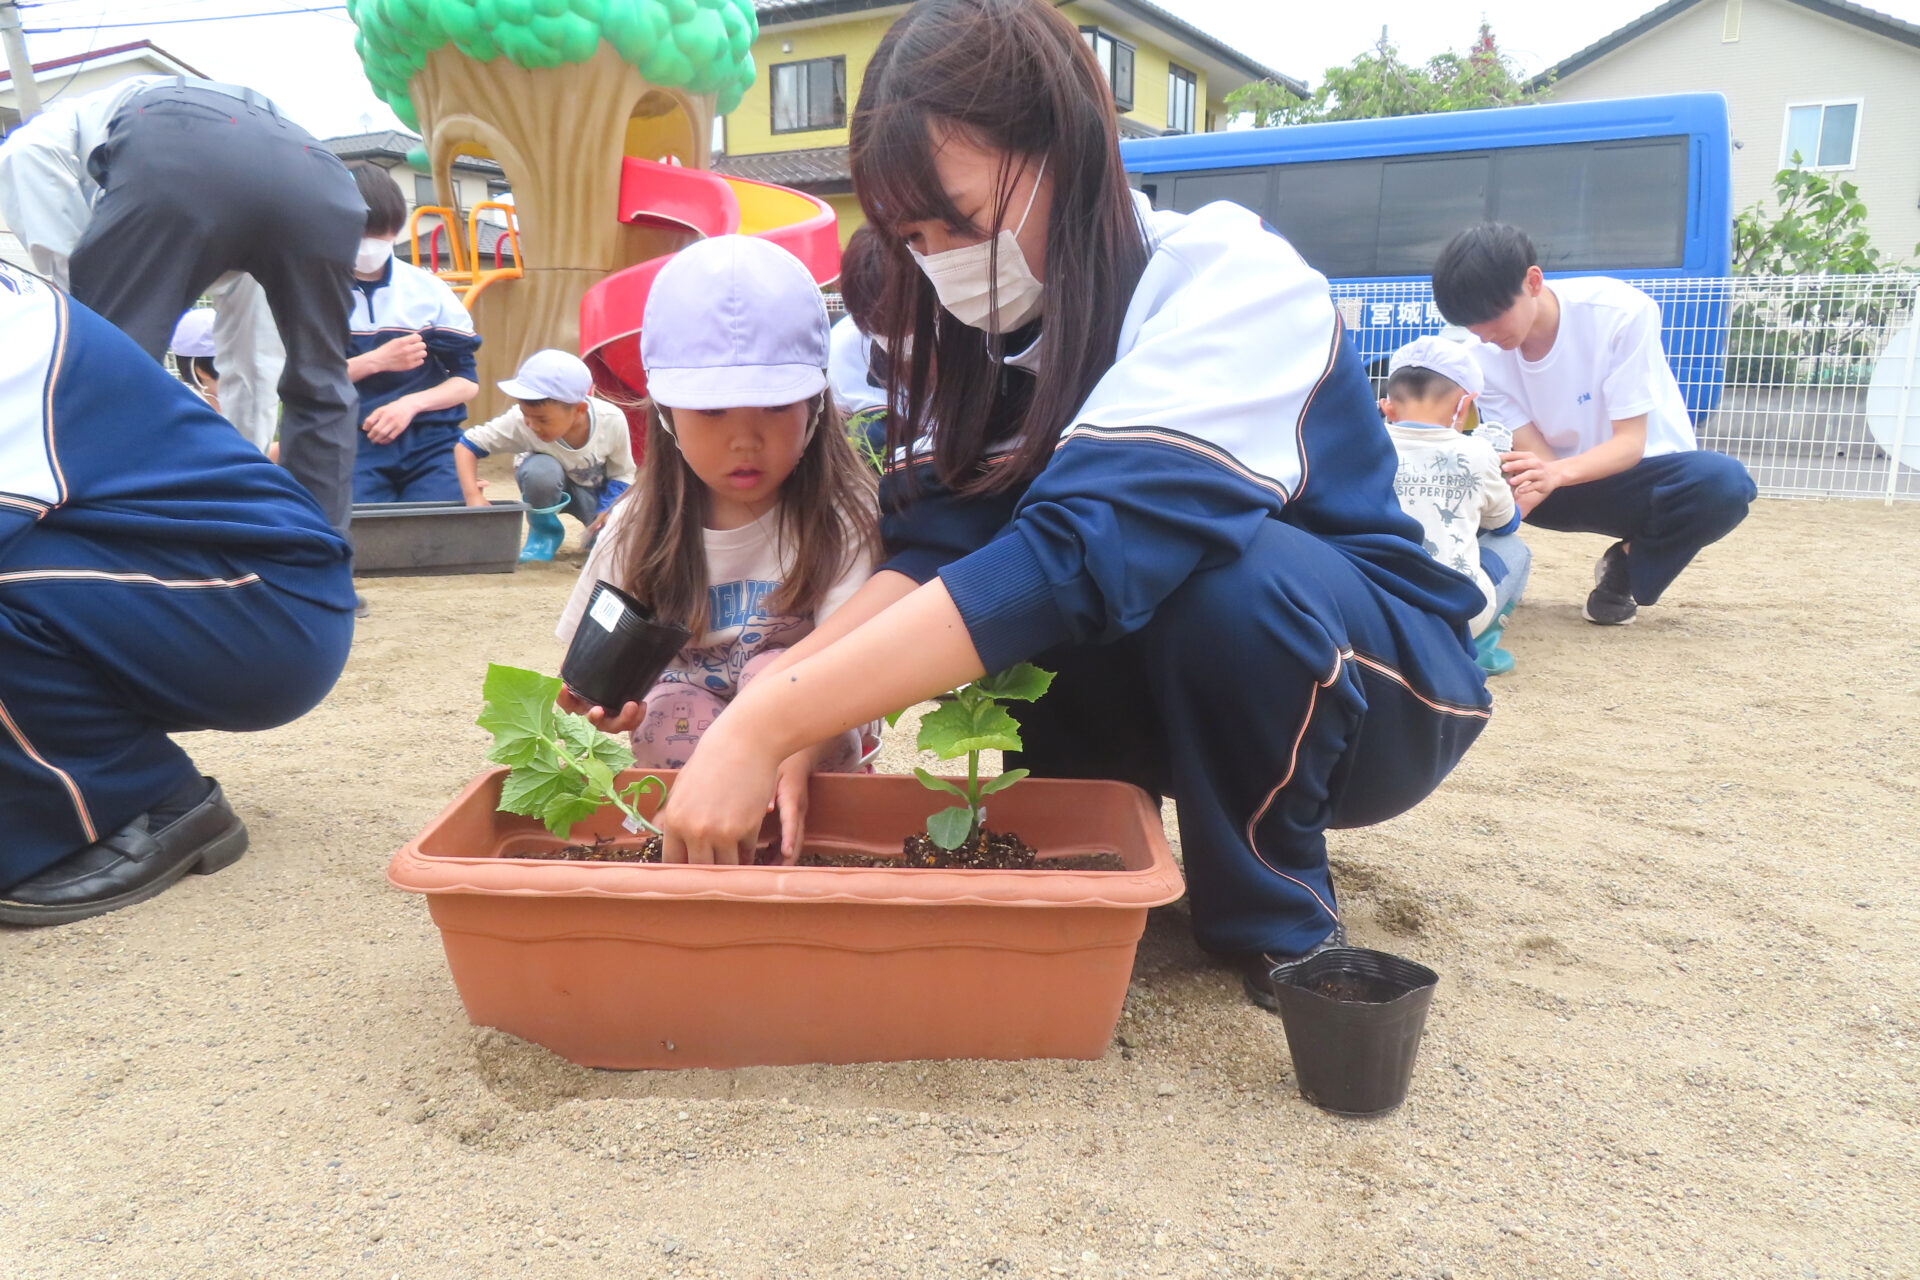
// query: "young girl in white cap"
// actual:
[[752, 520]]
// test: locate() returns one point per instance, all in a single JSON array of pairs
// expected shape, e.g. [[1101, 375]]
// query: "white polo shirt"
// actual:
[[1606, 364]]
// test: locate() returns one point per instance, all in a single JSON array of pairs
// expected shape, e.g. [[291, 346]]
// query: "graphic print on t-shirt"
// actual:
[[1448, 489], [736, 611]]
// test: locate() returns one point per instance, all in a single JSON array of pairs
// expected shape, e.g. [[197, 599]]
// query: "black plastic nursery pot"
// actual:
[[1353, 1019], [619, 650]]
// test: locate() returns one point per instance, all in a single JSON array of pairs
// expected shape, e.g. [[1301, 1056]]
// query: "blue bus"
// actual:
[[1632, 187]]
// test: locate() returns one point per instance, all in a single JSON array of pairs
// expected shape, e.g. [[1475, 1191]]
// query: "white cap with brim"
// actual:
[[1448, 359], [193, 336], [551, 374], [734, 322]]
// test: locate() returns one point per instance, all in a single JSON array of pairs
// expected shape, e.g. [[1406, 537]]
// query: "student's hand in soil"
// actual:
[[387, 422], [599, 717], [790, 798], [721, 797], [397, 355]]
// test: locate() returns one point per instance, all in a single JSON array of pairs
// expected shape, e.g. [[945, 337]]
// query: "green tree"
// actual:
[[1821, 335], [1378, 83], [1817, 227], [703, 46], [557, 91]]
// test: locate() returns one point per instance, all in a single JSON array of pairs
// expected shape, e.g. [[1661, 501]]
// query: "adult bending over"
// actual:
[[1157, 469], [155, 190], [157, 575], [1602, 442]]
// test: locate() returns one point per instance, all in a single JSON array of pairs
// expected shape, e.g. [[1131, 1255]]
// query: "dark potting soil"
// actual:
[[993, 851], [1356, 988]]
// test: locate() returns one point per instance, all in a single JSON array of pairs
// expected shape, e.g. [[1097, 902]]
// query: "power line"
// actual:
[[170, 22]]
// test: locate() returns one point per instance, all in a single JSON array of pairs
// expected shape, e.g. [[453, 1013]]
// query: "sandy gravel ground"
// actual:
[[1671, 896]]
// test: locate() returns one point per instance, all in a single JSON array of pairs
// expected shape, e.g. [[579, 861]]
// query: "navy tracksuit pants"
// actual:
[[1272, 698], [109, 645], [1667, 508], [415, 466]]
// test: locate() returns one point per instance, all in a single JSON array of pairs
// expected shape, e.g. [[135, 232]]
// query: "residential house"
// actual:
[[73, 77], [475, 181], [1167, 76], [1834, 81]]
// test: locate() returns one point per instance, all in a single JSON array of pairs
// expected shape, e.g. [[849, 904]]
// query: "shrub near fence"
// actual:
[[1805, 379]]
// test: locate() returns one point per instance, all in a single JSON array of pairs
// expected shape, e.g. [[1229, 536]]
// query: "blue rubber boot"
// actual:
[[544, 534], [1493, 660]]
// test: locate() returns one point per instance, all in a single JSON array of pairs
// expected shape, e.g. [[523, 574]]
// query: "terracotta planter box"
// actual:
[[630, 965]]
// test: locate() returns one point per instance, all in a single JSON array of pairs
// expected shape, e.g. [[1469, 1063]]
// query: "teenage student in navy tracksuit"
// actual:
[[1156, 468], [411, 345], [157, 574]]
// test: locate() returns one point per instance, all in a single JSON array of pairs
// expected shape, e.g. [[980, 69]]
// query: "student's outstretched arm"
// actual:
[[912, 650]]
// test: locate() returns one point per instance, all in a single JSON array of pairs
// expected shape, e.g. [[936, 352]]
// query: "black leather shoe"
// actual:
[[133, 864], [1262, 972]]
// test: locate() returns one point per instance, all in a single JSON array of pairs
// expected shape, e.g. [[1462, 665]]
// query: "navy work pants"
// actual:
[[1666, 508], [108, 646], [1272, 698], [196, 183]]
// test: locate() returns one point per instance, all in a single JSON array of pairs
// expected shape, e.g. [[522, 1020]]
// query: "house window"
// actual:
[[1825, 135], [1116, 63], [1182, 90], [809, 95], [423, 190]]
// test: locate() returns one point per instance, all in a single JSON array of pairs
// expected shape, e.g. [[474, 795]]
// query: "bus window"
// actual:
[[1330, 212], [1245, 187], [1423, 204], [1587, 206]]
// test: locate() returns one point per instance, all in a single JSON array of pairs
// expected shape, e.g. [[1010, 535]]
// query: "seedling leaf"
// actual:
[[1002, 782], [1021, 683], [932, 783], [564, 810], [955, 729], [519, 712], [950, 828]]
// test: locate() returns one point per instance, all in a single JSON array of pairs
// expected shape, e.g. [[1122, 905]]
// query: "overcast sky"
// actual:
[[306, 62]]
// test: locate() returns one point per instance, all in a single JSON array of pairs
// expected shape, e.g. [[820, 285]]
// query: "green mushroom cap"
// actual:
[[703, 46]]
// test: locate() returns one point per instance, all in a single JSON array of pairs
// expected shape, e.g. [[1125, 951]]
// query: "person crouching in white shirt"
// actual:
[[1601, 435]]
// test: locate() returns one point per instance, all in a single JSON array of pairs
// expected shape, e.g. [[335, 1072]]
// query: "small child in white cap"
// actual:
[[752, 520], [1452, 484], [575, 455], [192, 351]]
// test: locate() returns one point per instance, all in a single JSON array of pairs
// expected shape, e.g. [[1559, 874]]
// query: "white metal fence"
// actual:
[[1812, 381]]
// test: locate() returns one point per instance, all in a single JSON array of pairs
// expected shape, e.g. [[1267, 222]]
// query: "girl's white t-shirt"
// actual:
[[1606, 364], [745, 569]]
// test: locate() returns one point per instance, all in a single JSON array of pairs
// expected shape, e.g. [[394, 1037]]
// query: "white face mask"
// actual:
[[373, 255], [988, 285]]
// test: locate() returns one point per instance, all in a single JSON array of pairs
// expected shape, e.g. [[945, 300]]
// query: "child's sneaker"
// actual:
[[1611, 602]]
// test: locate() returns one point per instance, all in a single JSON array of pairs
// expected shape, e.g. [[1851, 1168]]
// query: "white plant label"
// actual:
[[630, 825], [607, 611]]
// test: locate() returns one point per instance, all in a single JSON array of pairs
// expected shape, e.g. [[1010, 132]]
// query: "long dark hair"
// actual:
[[1013, 76], [827, 516]]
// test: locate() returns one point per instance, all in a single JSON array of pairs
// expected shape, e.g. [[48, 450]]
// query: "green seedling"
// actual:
[[561, 769], [968, 721]]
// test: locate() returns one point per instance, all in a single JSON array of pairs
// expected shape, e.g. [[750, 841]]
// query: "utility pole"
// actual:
[[26, 92]]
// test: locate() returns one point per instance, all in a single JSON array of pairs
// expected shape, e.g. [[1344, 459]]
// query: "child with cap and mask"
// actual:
[[1452, 484], [752, 520], [574, 452]]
